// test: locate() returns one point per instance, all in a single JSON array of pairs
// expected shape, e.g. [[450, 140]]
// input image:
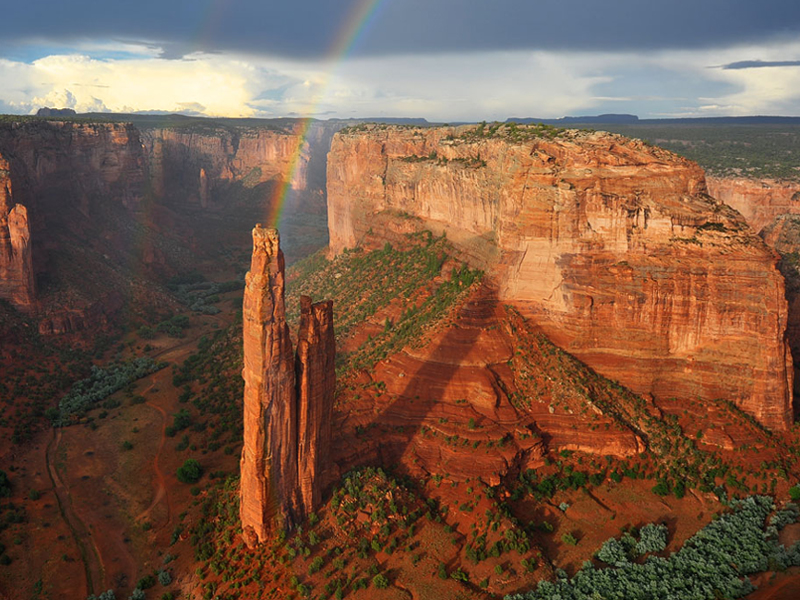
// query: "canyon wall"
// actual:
[[17, 283], [614, 247], [187, 164], [288, 400], [772, 208], [63, 176], [58, 166], [100, 204], [759, 200]]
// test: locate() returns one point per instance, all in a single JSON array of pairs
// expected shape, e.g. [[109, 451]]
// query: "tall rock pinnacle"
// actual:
[[287, 401], [316, 384]]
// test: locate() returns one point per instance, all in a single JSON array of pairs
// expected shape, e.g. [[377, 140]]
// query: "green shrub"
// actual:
[[794, 491], [714, 563], [190, 471]]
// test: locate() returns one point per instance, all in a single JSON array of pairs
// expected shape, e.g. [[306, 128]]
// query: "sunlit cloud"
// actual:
[[122, 76]]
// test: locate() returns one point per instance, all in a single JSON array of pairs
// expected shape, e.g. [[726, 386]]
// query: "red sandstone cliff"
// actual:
[[287, 402], [65, 165], [68, 178], [613, 246], [759, 200], [17, 282], [187, 165], [768, 205]]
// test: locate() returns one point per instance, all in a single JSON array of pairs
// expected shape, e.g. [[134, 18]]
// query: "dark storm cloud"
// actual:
[[308, 28], [756, 64]]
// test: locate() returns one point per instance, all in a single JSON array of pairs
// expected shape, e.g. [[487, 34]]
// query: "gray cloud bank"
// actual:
[[309, 29]]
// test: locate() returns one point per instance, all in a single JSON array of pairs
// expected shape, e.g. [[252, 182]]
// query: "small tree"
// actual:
[[190, 471]]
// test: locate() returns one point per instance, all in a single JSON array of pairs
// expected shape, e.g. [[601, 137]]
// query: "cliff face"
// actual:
[[65, 176], [614, 247], [187, 165], [17, 283], [759, 200], [768, 205], [58, 165], [287, 402]]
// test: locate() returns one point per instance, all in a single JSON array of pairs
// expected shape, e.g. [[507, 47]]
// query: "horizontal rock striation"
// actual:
[[288, 400], [759, 200], [613, 246], [186, 165]]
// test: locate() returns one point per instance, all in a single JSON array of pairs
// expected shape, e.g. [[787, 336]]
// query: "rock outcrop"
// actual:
[[759, 200], [17, 283], [61, 166], [772, 208], [68, 181], [288, 400], [182, 161], [612, 246], [316, 385], [222, 155]]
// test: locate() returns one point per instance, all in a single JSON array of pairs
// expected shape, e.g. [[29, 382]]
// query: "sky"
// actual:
[[444, 60]]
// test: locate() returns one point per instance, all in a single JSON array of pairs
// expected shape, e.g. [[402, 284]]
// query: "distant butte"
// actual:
[[288, 400]]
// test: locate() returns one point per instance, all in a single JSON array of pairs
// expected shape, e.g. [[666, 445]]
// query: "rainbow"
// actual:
[[362, 15]]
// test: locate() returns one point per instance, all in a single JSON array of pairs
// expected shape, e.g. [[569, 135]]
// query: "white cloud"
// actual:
[[489, 85]]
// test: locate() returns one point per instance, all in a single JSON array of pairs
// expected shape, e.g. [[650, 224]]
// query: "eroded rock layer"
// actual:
[[186, 164], [613, 246], [287, 401], [61, 166], [17, 283], [73, 183], [759, 200]]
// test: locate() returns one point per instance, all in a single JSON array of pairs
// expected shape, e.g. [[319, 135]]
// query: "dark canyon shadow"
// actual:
[[412, 426]]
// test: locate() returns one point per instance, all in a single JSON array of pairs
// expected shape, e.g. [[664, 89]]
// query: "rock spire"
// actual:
[[288, 399]]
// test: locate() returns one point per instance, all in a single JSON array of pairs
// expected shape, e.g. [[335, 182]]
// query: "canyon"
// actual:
[[288, 400], [93, 203], [614, 247], [535, 329]]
